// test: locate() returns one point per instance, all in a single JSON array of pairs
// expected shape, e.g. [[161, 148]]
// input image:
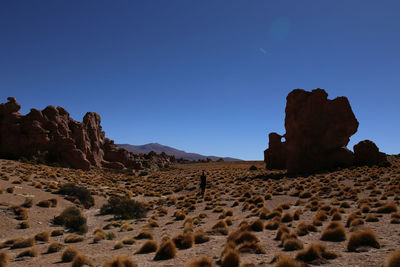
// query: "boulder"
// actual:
[[367, 153]]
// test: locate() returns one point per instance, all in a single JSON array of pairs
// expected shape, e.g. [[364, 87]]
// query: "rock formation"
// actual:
[[317, 132], [275, 155], [367, 153], [51, 134]]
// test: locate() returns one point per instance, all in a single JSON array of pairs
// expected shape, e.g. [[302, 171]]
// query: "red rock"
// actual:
[[53, 135], [367, 153], [317, 132], [275, 155]]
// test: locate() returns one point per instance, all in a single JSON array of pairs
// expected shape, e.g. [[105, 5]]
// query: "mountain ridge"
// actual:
[[159, 148]]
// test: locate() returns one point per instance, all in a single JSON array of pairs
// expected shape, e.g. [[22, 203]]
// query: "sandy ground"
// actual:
[[227, 183]]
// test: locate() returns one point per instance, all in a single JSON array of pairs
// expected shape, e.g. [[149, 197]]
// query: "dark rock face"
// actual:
[[275, 155], [367, 153], [52, 134], [317, 132]]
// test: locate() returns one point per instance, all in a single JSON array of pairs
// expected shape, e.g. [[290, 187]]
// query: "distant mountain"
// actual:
[[170, 151]]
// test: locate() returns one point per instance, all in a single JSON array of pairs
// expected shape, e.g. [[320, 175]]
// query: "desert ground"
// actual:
[[248, 212]]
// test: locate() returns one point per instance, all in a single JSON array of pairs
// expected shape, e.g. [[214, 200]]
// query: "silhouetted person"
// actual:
[[203, 183]]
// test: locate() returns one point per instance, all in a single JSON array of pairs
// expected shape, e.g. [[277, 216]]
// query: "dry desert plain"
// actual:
[[347, 217]]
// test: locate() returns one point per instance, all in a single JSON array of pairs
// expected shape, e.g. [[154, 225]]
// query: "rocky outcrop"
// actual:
[[275, 155], [52, 135], [367, 153], [317, 132]]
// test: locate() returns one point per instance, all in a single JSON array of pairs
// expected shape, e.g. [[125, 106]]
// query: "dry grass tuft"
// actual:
[[291, 244], [54, 247], [69, 254], [81, 260], [200, 237], [184, 241], [148, 247], [73, 238], [251, 247], [231, 258], [166, 251], [120, 261], [3, 259], [362, 238], [334, 232], [23, 243], [393, 260], [257, 225], [285, 261], [28, 253], [316, 254], [43, 236], [387, 208], [201, 262]]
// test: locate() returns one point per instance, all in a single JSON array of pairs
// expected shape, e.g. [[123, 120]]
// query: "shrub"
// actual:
[[81, 260], [285, 261], [166, 251], [98, 236], [392, 261], [257, 225], [184, 241], [148, 247], [120, 261], [387, 208], [78, 192], [28, 203], [200, 237], [69, 254], [231, 258], [3, 259], [118, 245], [124, 208], [23, 243], [128, 241], [28, 253], [251, 247], [291, 244], [334, 232], [253, 168], [24, 225], [57, 232], [281, 230], [43, 236], [220, 227], [200, 262], [315, 253], [362, 238], [72, 238], [44, 204], [72, 218], [110, 236], [54, 247]]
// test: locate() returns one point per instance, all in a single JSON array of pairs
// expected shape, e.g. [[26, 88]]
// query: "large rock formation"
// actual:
[[317, 132], [52, 135]]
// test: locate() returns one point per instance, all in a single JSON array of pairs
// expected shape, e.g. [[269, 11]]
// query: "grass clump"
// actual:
[[200, 237], [184, 241], [28, 253], [393, 260], [124, 208], [148, 247], [334, 232], [72, 218], [23, 243], [166, 251], [3, 259], [81, 260], [72, 238], [54, 247], [362, 238], [200, 262], [316, 254], [69, 254], [230, 258], [120, 261], [285, 261], [78, 192], [43, 236]]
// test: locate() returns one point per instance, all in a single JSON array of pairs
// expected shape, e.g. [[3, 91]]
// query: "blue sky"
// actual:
[[205, 76]]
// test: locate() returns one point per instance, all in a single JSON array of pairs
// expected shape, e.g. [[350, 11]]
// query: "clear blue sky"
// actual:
[[206, 76]]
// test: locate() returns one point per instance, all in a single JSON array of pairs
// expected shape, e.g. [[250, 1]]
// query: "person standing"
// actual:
[[203, 183]]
